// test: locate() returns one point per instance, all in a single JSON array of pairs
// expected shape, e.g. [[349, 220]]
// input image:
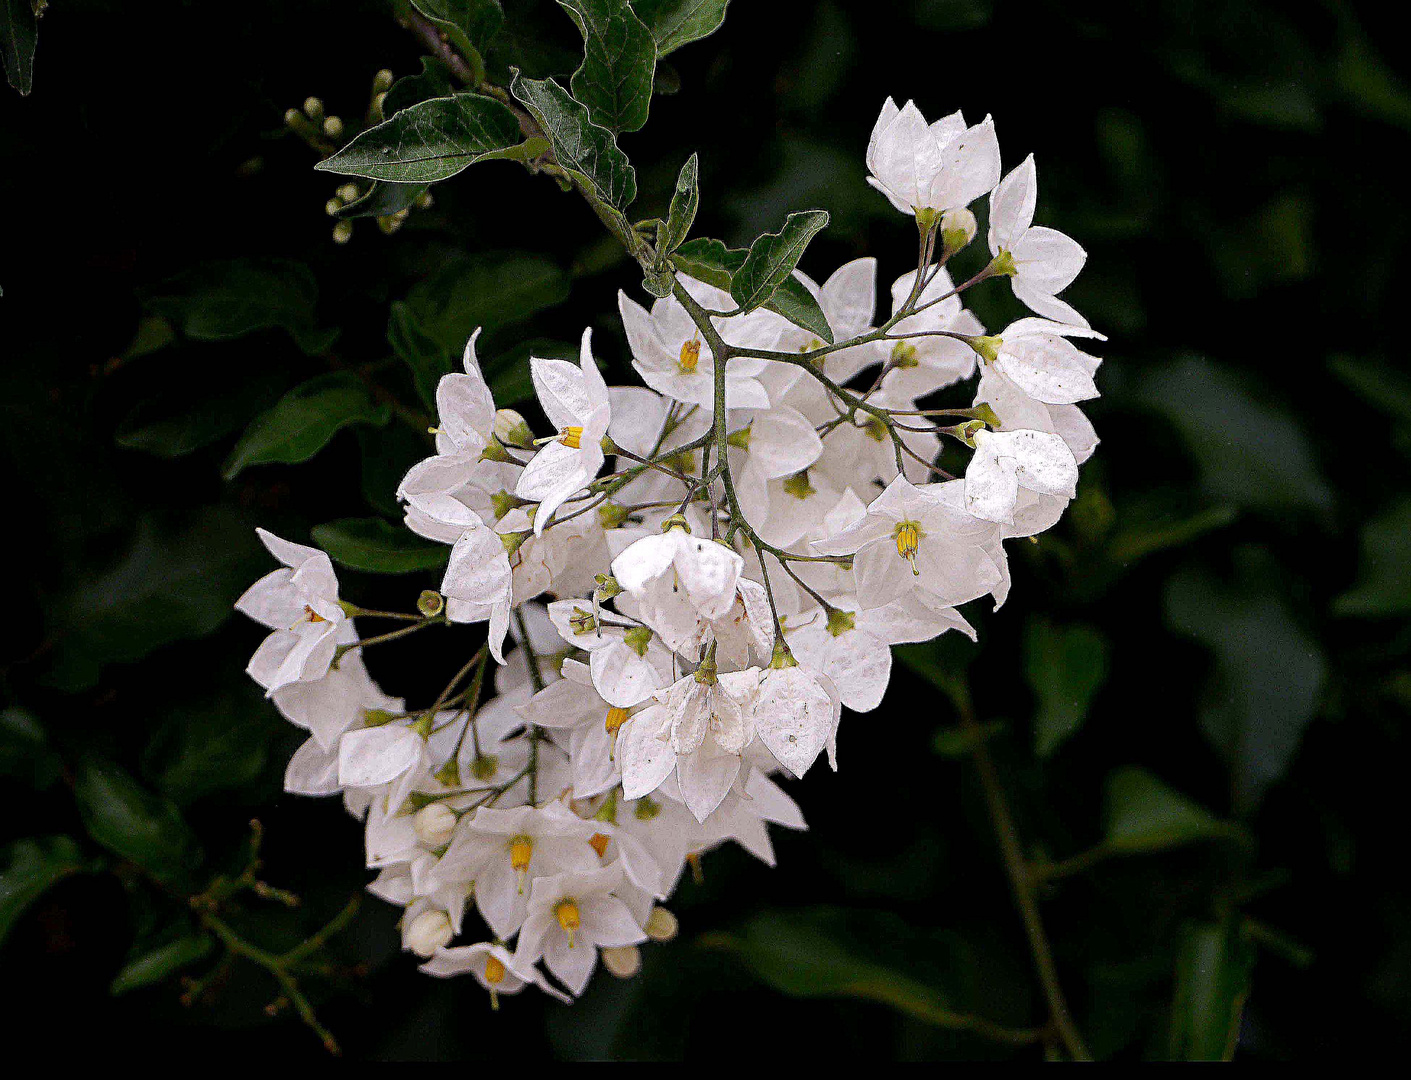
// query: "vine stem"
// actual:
[[1021, 880]]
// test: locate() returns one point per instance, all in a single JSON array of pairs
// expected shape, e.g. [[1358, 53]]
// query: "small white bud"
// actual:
[[428, 932], [957, 228], [661, 925], [313, 108], [623, 961], [382, 80], [333, 206], [434, 824], [347, 192], [512, 429]]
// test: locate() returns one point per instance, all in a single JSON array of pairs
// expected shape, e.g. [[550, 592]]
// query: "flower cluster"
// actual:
[[685, 583]]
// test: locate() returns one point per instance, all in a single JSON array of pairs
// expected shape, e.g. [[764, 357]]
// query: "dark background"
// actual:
[[1231, 169]]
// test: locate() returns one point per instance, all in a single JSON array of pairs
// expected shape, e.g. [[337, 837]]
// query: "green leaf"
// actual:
[[1383, 586], [1143, 814], [218, 301], [819, 953], [712, 262], [684, 203], [674, 23], [1269, 672], [386, 454], [375, 546], [468, 24], [382, 199], [958, 742], [217, 742], [426, 357], [430, 141], [161, 963], [175, 581], [186, 417], [433, 81], [25, 754], [304, 420], [579, 145], [19, 34], [1250, 452], [619, 58], [132, 822], [773, 257], [508, 373], [1378, 383], [1065, 666], [32, 867], [493, 290], [1213, 969]]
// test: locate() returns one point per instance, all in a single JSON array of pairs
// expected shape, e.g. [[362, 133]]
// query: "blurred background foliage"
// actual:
[[1197, 696]]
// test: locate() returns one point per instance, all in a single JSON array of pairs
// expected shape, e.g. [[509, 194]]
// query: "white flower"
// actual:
[[388, 754], [673, 359], [922, 365], [936, 167], [1045, 261], [1005, 461], [910, 539], [479, 583], [329, 706], [1038, 357], [570, 916], [628, 664], [576, 402], [299, 602], [794, 716], [698, 729], [503, 850], [492, 967], [673, 571], [428, 932]]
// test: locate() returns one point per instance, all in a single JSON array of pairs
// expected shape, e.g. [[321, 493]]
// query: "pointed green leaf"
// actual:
[[1383, 586], [1064, 666], [161, 963], [19, 33], [434, 80], [377, 547], [684, 203], [579, 145], [32, 867], [304, 420], [25, 754], [430, 141], [712, 262], [773, 257], [679, 22], [132, 822], [1213, 969], [1143, 814], [619, 57]]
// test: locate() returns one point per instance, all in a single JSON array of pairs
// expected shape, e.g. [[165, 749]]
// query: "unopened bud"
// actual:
[[434, 824], [347, 192], [313, 108], [513, 430], [662, 925], [624, 961], [957, 229], [332, 206], [293, 118], [343, 232], [429, 931], [382, 81], [424, 201], [430, 603], [333, 127]]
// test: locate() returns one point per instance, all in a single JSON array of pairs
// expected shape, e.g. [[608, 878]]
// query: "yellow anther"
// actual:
[[690, 355], [571, 435], [313, 616], [615, 719], [599, 843], [494, 970], [521, 851], [908, 539], [567, 913]]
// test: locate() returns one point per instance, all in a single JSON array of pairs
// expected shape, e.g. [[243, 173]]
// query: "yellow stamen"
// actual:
[[614, 720], [312, 615], [567, 912], [690, 355], [908, 538], [521, 851], [599, 843], [494, 971], [571, 435]]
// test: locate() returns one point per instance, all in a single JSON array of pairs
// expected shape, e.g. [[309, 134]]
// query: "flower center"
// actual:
[[494, 970], [313, 616], [568, 917], [599, 843], [690, 355], [571, 435], [614, 720], [521, 851], [908, 537]]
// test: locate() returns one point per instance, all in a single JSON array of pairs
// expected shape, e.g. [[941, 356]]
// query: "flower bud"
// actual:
[[313, 108], [382, 81], [957, 229], [434, 824], [430, 603], [343, 232], [347, 192], [332, 206], [623, 961], [333, 127], [661, 925], [512, 429], [428, 932]]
